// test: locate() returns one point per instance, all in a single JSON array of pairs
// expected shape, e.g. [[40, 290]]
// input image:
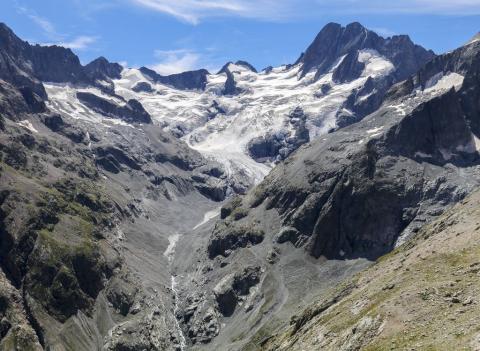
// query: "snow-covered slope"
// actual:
[[220, 126], [239, 105]]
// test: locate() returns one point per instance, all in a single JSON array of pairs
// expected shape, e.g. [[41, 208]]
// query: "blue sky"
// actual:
[[178, 35]]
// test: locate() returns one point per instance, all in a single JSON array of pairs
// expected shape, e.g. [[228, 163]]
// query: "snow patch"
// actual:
[[441, 83], [208, 216], [376, 64], [27, 125], [374, 130]]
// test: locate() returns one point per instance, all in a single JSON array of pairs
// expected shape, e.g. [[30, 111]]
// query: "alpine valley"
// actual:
[[329, 204]]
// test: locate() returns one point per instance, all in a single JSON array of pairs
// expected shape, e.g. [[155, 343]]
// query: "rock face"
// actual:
[[192, 80], [142, 87]]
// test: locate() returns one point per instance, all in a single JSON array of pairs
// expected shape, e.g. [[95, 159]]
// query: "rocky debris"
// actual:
[[424, 307], [287, 234], [149, 330], [15, 330], [78, 200], [273, 255], [201, 319], [121, 293], [131, 112], [191, 80], [230, 288], [347, 198]]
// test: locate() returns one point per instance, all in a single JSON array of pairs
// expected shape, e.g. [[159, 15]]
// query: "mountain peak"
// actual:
[[239, 64], [101, 68], [335, 41]]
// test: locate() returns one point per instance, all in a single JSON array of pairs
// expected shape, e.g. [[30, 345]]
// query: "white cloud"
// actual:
[[47, 26], [193, 11], [79, 43], [175, 61]]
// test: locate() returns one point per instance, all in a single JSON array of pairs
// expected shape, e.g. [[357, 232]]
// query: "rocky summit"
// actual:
[[326, 204]]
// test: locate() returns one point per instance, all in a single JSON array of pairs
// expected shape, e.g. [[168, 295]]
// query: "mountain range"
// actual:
[[326, 204]]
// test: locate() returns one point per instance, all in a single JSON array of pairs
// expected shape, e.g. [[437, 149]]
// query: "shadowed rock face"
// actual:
[[56, 64], [132, 111], [143, 87]]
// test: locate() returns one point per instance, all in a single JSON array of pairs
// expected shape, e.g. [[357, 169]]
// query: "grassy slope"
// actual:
[[422, 296]]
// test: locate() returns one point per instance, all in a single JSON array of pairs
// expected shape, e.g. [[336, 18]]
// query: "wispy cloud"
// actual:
[[182, 60], [175, 61], [79, 43], [193, 11], [47, 26]]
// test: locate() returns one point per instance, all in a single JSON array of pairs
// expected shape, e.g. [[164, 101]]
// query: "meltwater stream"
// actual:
[[169, 253]]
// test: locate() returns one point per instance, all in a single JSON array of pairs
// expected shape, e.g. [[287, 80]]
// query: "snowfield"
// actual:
[[220, 126]]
